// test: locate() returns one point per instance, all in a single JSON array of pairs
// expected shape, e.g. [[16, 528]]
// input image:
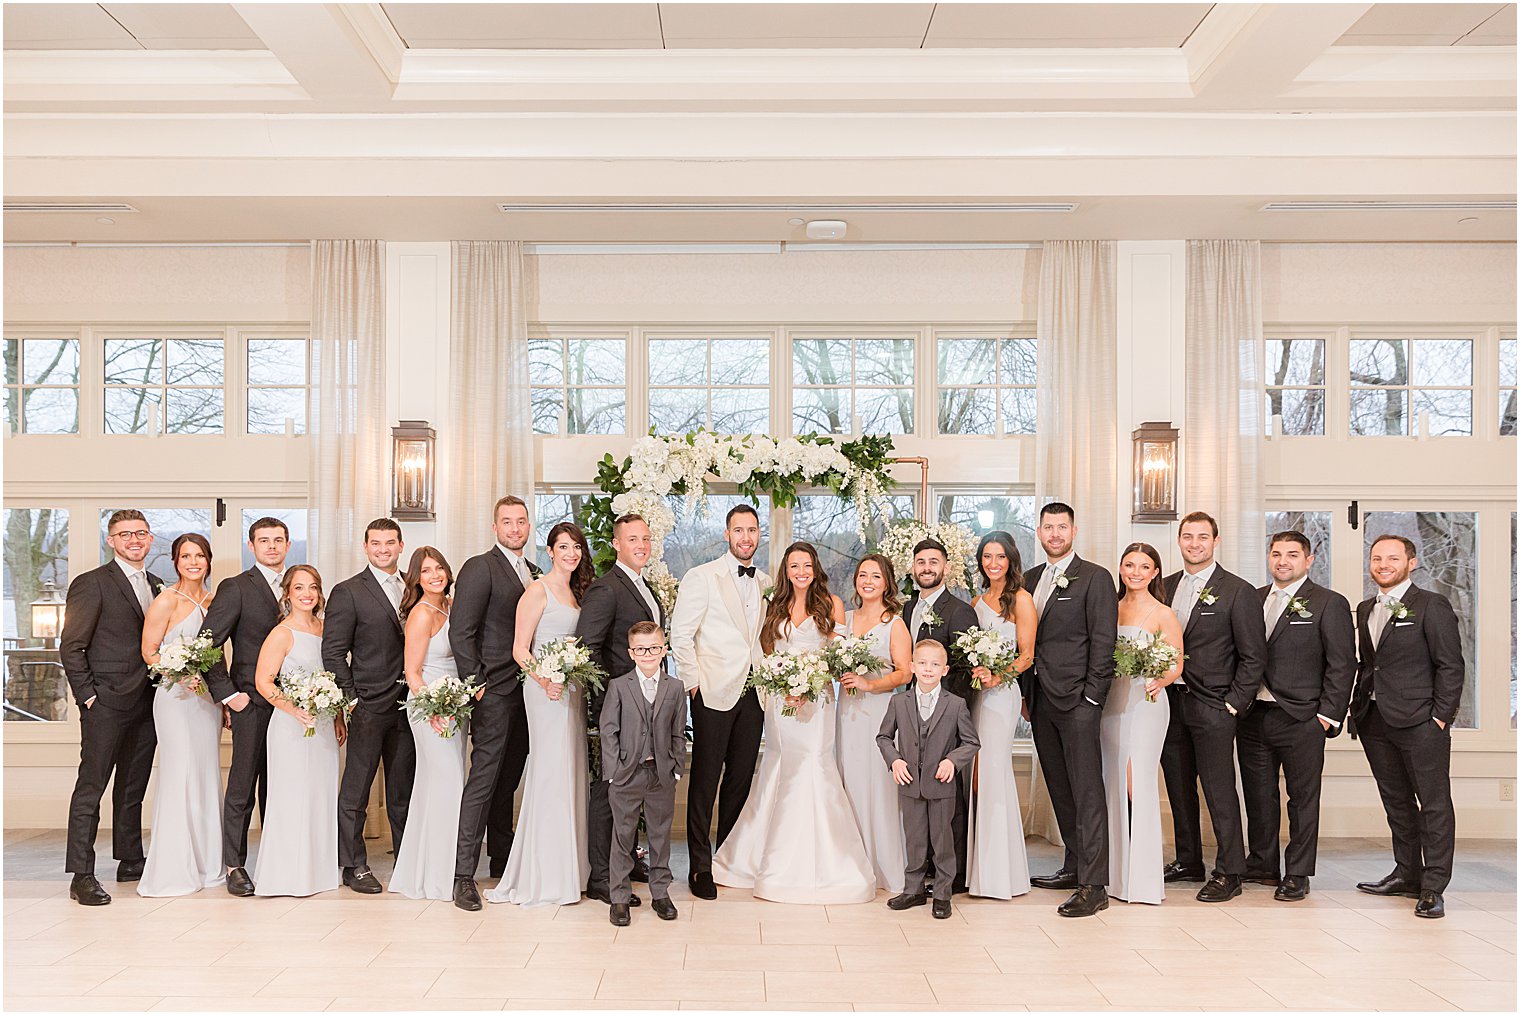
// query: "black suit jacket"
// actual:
[[483, 622], [244, 610], [1074, 643], [362, 643], [1311, 661], [1416, 668], [610, 606], [1225, 643], [101, 642], [955, 616]]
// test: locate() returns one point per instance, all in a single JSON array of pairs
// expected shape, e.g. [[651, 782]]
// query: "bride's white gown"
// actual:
[[796, 839]]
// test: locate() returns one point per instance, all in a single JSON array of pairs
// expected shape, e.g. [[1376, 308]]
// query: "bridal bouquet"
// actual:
[[985, 647], [315, 693], [184, 661], [448, 698], [1144, 657], [567, 661], [851, 654], [804, 675]]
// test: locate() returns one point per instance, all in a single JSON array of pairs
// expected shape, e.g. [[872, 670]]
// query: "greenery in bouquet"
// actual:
[[986, 648], [315, 692], [852, 654], [568, 661], [1144, 657], [804, 675], [448, 698], [185, 661]]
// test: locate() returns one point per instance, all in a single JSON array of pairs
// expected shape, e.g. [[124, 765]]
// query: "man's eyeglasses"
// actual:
[[134, 534], [647, 651]]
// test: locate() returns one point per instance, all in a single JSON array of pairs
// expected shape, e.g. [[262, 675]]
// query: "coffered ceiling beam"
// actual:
[[340, 54], [1254, 52]]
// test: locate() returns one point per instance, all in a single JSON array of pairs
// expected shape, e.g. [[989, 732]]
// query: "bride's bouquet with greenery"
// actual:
[[1144, 657], [851, 654], [988, 649], [314, 692], [184, 661], [448, 698], [567, 661], [804, 675]]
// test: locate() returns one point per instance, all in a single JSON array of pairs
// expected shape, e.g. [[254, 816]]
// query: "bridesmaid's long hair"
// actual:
[[1015, 577], [820, 604], [1157, 585], [285, 583], [891, 593], [585, 572], [413, 581], [199, 540]]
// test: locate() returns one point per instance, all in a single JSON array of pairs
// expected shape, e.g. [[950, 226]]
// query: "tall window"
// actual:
[[852, 385], [42, 385], [1396, 380], [986, 384], [1507, 386], [36, 551], [164, 385], [295, 520], [166, 524], [720, 383], [279, 383], [1295, 376], [1447, 545], [828, 522], [579, 385], [1315, 525]]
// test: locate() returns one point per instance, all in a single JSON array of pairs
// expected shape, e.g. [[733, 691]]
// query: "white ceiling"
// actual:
[[1434, 25], [126, 26]]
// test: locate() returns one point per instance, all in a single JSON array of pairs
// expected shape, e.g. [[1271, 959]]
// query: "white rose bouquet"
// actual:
[[315, 693], [184, 661], [567, 661], [851, 654], [1144, 657], [448, 698], [986, 648], [804, 675]]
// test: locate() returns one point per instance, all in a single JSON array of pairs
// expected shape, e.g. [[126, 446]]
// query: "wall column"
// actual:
[[418, 309]]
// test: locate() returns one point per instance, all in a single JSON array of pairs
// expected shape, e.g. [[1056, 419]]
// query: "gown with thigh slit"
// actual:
[[1133, 733], [867, 780], [998, 864]]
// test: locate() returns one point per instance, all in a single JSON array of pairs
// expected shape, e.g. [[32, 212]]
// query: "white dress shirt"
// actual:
[[519, 564], [1272, 611], [643, 587], [649, 685], [137, 577], [749, 587], [926, 703], [1380, 615], [1047, 582], [923, 608], [1188, 588], [390, 584]]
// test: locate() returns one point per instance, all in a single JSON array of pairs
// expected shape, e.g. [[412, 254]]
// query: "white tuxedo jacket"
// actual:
[[712, 641]]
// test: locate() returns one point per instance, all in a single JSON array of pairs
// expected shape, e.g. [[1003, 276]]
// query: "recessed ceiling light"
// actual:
[[105, 221], [794, 222]]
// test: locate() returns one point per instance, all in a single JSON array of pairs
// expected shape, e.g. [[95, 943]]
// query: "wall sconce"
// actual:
[[412, 472], [47, 614], [1155, 473]]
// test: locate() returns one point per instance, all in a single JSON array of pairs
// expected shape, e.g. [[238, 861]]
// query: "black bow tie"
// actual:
[[746, 572]]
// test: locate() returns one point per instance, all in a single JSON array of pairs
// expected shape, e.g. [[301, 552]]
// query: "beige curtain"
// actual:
[[348, 430], [1222, 438], [487, 447]]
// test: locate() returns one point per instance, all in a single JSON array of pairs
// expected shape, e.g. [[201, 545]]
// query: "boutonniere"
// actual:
[[1061, 581], [1397, 610], [931, 619], [1299, 608], [1207, 597], [766, 591]]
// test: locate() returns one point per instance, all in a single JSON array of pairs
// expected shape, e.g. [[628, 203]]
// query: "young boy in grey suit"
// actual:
[[643, 730], [926, 736]]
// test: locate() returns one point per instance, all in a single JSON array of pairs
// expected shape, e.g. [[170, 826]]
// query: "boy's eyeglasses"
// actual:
[[647, 650]]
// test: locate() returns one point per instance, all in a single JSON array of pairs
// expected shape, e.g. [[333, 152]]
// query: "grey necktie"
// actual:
[[1273, 609], [140, 586], [644, 590], [393, 591], [1379, 617], [925, 707], [1043, 589], [1188, 590]]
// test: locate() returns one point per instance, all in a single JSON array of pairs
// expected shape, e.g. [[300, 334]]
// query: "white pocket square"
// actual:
[[1295, 623], [1403, 623], [1063, 599]]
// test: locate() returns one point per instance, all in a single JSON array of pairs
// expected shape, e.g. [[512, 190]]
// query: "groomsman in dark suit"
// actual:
[[246, 609], [1408, 689], [1311, 662], [1226, 650], [101, 651], [611, 605], [935, 612], [1073, 669], [362, 646], [482, 629]]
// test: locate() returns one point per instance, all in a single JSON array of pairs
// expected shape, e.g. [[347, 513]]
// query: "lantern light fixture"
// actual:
[[1155, 475], [412, 473]]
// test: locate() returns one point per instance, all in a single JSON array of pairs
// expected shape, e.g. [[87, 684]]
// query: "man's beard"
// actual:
[[938, 581]]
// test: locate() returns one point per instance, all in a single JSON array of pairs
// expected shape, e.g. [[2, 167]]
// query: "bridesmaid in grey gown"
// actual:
[[1133, 732]]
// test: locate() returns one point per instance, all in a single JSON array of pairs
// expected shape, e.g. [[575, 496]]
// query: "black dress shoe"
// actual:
[[1431, 906], [906, 901], [498, 867], [942, 909], [362, 880], [86, 891], [1262, 878], [960, 889], [640, 871], [466, 895], [1391, 885], [603, 896], [1062, 880], [1294, 888], [1087, 900], [1174, 872], [239, 883], [130, 870], [664, 909], [1221, 888], [618, 914], [701, 884]]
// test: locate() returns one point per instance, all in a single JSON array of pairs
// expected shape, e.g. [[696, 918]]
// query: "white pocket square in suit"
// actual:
[[1208, 613], [1403, 623], [1063, 599], [1295, 623]]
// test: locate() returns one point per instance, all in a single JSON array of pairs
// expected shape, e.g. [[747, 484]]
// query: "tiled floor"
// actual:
[[344, 952]]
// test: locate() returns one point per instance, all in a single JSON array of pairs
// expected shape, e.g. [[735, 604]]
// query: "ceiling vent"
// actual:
[[1049, 207], [73, 207], [1389, 206]]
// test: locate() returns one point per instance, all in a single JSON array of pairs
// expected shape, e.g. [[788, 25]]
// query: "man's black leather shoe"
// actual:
[[664, 909], [498, 867], [702, 886], [1262, 878], [1294, 888], [1221, 888], [942, 909], [1174, 872], [362, 880], [1391, 885], [130, 870], [1431, 906], [239, 883], [86, 891], [603, 896], [1062, 881], [1088, 900], [466, 895], [618, 914], [640, 871], [906, 901]]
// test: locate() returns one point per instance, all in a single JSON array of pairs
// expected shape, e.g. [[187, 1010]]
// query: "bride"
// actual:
[[796, 839]]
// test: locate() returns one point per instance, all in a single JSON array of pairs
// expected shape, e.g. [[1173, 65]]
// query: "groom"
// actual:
[[715, 637]]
